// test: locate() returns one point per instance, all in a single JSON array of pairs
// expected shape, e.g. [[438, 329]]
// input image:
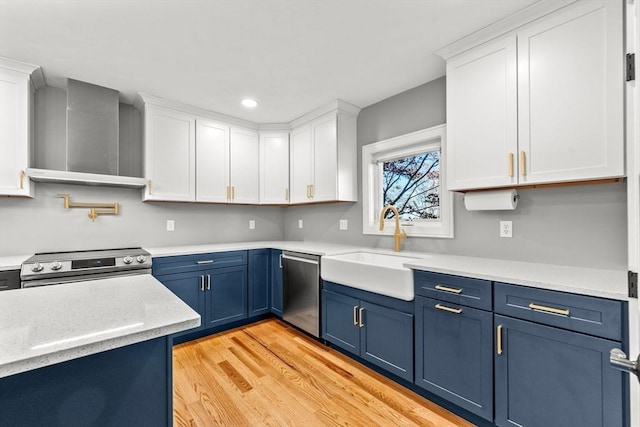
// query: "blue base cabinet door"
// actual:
[[258, 282], [340, 321], [454, 354], [552, 377], [276, 282], [227, 299], [189, 287], [386, 338]]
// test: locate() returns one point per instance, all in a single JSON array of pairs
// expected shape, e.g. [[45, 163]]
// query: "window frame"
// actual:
[[430, 139]]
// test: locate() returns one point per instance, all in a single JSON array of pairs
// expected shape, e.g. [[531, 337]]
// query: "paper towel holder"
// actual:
[[495, 200]]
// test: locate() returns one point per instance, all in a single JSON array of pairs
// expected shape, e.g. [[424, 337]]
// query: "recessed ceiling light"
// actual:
[[250, 103]]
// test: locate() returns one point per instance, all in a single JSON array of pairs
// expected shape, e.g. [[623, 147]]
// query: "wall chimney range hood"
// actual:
[[92, 140]]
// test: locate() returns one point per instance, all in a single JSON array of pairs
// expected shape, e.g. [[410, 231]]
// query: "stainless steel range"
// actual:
[[63, 267]]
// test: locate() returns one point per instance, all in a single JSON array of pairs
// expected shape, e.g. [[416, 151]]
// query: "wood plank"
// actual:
[[270, 374]]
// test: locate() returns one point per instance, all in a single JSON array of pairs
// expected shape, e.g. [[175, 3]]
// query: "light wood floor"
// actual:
[[269, 374]]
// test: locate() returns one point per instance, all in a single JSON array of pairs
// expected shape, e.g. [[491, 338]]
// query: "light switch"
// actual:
[[344, 224], [171, 225], [252, 224], [299, 223]]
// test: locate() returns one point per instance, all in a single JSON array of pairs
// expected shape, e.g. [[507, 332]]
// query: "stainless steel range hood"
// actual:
[[92, 140]]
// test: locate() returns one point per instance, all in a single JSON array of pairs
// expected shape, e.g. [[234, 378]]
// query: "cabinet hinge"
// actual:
[[631, 67], [633, 284]]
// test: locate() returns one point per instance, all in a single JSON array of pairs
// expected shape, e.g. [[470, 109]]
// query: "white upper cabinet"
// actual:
[[16, 126], [244, 164], [552, 112], [323, 158], [274, 167], [169, 155], [301, 164], [212, 161], [482, 127], [570, 95]]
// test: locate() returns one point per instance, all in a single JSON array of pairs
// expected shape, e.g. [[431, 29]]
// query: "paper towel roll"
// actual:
[[499, 200]]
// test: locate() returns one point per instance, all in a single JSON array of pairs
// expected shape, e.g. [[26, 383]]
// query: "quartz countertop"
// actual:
[[13, 262], [579, 280], [45, 325]]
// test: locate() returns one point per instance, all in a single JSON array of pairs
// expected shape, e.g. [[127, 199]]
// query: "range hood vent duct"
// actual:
[[92, 146]]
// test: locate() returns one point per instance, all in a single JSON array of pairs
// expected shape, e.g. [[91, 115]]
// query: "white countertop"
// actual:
[[579, 280], [50, 324], [13, 262]]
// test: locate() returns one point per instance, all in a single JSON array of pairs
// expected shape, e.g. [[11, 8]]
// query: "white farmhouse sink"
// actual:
[[371, 271]]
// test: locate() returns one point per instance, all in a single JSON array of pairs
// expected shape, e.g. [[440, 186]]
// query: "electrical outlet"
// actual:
[[252, 224], [506, 229], [300, 223], [344, 224], [171, 225]]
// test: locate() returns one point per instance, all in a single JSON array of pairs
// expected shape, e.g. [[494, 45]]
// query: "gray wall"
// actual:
[[41, 224], [582, 225]]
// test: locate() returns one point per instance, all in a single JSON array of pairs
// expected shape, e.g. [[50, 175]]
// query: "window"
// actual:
[[408, 173]]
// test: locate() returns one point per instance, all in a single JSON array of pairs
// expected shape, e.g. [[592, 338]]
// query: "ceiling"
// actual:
[[292, 56]]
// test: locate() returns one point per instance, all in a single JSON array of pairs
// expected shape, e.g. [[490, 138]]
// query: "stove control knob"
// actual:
[[56, 265], [141, 259], [37, 267], [127, 260]]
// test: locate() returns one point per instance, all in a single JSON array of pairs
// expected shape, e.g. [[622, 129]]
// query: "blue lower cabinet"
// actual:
[[340, 321], [189, 287], [259, 260], [226, 298], [386, 338], [380, 335], [454, 354], [547, 376], [276, 282]]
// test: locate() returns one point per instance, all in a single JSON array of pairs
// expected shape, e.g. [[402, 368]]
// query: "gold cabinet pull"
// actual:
[[499, 339], [523, 164], [355, 315], [233, 192], [311, 191], [546, 309], [308, 193], [360, 317], [449, 309], [149, 186], [286, 194], [22, 180], [447, 289], [511, 165]]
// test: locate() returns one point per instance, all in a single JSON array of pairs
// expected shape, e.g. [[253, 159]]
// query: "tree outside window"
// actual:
[[412, 185]]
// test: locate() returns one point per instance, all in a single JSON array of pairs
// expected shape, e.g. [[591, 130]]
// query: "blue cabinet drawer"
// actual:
[[186, 263], [590, 315], [455, 289]]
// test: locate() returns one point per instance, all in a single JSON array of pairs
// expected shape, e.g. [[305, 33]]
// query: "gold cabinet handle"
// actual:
[[546, 309], [308, 193], [286, 194], [499, 339], [311, 191], [447, 289], [233, 192], [149, 187], [523, 164], [22, 180], [360, 317], [202, 283], [449, 309], [355, 315], [511, 165]]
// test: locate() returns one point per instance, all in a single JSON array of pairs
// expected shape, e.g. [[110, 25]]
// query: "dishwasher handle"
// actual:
[[295, 258]]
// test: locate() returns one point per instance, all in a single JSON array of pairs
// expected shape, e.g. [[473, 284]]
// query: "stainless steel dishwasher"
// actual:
[[302, 291]]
